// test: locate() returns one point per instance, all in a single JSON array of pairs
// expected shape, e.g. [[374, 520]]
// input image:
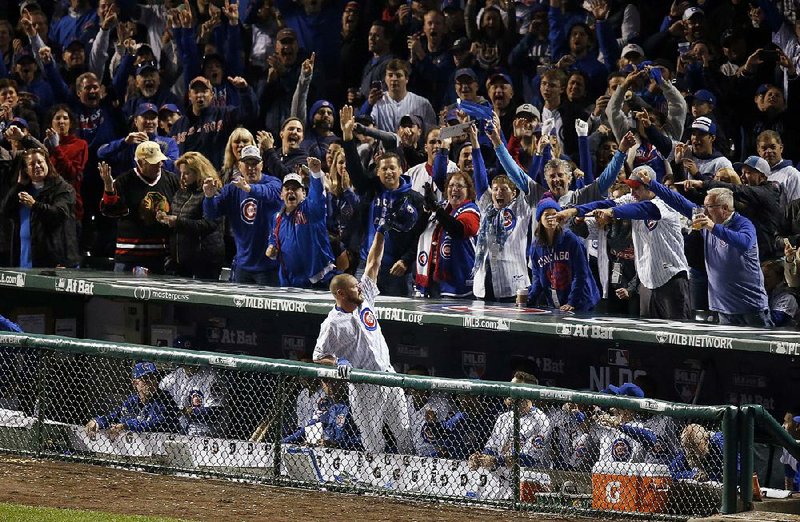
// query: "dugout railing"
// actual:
[[505, 445]]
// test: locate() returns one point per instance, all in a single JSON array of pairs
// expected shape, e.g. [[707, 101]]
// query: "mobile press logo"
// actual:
[[12, 279]]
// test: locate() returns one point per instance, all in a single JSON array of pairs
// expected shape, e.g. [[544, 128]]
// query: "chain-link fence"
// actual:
[[507, 445]]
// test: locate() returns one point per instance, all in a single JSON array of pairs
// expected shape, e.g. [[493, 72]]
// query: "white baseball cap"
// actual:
[[632, 48], [250, 152]]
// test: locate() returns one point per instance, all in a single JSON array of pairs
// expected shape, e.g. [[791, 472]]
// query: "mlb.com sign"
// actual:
[[12, 279]]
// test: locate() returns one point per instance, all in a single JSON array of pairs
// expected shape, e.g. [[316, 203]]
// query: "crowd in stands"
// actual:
[[616, 156]]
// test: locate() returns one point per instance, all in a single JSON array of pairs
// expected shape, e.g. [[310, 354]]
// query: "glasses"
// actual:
[[456, 186]]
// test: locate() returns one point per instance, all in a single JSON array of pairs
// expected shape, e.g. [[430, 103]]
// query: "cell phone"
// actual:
[[377, 84], [768, 54], [683, 48]]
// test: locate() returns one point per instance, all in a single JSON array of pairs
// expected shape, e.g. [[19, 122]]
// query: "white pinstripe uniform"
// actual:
[[387, 112], [509, 264], [657, 245], [357, 337], [419, 176]]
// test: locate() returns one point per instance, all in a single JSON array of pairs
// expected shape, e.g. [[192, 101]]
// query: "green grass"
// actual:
[[17, 513]]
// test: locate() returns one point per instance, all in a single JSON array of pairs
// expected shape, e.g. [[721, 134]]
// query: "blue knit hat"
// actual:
[[142, 368], [544, 205], [317, 106]]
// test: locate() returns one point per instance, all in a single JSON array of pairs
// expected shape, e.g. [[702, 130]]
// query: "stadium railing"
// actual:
[[503, 445]]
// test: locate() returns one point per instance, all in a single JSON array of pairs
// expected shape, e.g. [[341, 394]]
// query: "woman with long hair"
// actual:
[[68, 152], [42, 206], [196, 246], [560, 267], [342, 213], [238, 140]]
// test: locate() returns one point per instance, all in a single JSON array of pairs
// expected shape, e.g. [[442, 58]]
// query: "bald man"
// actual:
[[351, 337]]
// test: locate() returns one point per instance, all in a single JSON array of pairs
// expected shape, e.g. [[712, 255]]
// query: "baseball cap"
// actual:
[[200, 83], [144, 108], [527, 108], [692, 11], [635, 179], [705, 124], [142, 368], [498, 77], [704, 96], [19, 122], [466, 71], [452, 116], [171, 107], [286, 34], [250, 152], [147, 66], [144, 49], [632, 48], [149, 151], [626, 390], [754, 162], [460, 45], [213, 56], [764, 87], [297, 178], [24, 56], [352, 6], [411, 119]]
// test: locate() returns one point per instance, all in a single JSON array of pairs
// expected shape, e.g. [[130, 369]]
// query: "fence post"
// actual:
[[278, 432], [39, 404], [730, 450], [746, 428]]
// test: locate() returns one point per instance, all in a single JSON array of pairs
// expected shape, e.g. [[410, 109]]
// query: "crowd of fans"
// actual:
[[612, 155]]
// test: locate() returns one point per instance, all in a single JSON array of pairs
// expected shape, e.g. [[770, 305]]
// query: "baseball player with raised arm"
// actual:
[[351, 337]]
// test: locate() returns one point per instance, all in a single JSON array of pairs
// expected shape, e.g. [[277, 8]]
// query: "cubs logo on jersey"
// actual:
[[249, 208], [368, 319], [651, 224], [300, 218], [422, 259], [509, 219], [621, 450], [446, 249]]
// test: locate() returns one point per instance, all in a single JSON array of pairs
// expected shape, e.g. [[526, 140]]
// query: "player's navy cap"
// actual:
[[626, 390], [755, 163], [545, 204], [704, 96], [149, 65], [144, 108], [705, 124], [466, 71], [635, 179], [142, 368], [297, 178]]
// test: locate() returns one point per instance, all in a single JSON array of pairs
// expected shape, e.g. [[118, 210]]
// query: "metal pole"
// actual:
[[277, 432], [515, 466]]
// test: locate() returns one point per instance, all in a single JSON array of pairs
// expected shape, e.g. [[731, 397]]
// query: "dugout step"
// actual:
[[775, 510]]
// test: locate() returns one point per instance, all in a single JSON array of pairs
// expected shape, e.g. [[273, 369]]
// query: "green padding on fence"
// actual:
[[775, 430], [285, 367]]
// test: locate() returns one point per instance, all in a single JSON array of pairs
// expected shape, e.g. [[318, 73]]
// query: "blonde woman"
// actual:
[[196, 245], [342, 219], [238, 140]]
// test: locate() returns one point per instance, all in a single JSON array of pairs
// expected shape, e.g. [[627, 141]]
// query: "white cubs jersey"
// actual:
[[658, 247], [355, 336], [534, 433]]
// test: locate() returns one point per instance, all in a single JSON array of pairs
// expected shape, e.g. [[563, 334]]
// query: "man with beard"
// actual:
[[291, 154], [120, 153], [351, 337], [320, 135], [134, 198], [249, 203], [300, 238], [205, 128], [148, 85]]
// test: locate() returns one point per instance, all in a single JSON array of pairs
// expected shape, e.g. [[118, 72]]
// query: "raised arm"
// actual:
[[300, 98], [375, 255]]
